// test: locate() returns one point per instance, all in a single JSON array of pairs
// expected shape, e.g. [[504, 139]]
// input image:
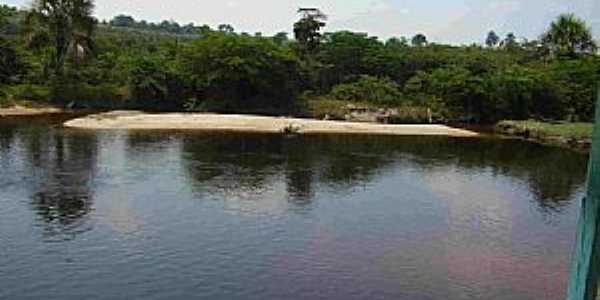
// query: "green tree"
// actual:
[[397, 42], [510, 42], [67, 26], [349, 54], [281, 38], [307, 30], [492, 39], [569, 36], [241, 73], [122, 21], [369, 89], [10, 63], [456, 91], [226, 28], [146, 79], [4, 14], [419, 40]]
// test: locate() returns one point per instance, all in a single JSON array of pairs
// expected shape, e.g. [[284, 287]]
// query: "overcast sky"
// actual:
[[452, 21]]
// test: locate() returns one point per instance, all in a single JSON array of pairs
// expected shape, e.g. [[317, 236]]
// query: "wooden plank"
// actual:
[[586, 260]]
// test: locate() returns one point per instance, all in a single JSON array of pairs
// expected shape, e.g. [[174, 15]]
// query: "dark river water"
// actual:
[[176, 215]]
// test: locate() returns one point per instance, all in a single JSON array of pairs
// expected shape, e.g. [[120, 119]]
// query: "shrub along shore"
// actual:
[[567, 134]]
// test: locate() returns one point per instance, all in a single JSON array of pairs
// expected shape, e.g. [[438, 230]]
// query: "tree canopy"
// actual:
[[492, 39], [131, 63], [64, 26], [307, 30], [419, 40], [569, 36]]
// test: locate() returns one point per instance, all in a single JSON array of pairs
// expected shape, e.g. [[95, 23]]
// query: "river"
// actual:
[[184, 215]]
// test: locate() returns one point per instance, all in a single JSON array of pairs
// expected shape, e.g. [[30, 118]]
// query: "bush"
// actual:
[[87, 96], [207, 105], [411, 115], [243, 73], [3, 98], [321, 108], [369, 89], [31, 92]]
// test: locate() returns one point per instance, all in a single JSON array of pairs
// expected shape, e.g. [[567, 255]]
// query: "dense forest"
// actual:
[[57, 52]]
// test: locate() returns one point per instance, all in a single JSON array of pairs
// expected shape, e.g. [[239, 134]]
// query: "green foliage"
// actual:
[[419, 40], [165, 27], [281, 38], [369, 89], [492, 39], [32, 92], [308, 29], [147, 79], [123, 21], [411, 115], [83, 95], [3, 99], [10, 63], [4, 15], [569, 36], [58, 53], [65, 27], [348, 54], [452, 90], [510, 42], [575, 81], [514, 92], [533, 128], [242, 72]]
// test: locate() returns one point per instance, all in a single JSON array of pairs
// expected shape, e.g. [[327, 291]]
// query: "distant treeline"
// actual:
[[70, 58]]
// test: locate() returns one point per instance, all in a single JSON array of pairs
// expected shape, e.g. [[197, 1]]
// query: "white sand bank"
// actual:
[[248, 123]]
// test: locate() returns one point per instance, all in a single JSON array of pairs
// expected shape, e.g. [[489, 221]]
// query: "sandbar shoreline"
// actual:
[[135, 120]]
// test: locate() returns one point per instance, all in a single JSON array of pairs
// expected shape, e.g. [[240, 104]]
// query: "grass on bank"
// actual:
[[323, 107], [537, 129]]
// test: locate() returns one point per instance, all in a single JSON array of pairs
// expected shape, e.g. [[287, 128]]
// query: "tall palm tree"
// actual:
[[570, 36], [65, 25]]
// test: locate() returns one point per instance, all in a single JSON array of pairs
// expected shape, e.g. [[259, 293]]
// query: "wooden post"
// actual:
[[585, 267]]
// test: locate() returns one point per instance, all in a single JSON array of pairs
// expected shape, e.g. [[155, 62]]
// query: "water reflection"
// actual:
[[57, 168], [184, 215], [235, 162], [62, 192], [62, 164]]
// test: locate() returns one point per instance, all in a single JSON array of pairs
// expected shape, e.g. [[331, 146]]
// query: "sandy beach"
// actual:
[[249, 123]]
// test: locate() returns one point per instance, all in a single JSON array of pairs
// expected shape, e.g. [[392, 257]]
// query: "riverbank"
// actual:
[[28, 111], [571, 135], [249, 123]]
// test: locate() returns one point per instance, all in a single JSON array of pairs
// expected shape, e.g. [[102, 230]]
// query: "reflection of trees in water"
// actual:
[[140, 142], [63, 165], [236, 161], [7, 136], [552, 174], [300, 168], [245, 162], [241, 160]]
